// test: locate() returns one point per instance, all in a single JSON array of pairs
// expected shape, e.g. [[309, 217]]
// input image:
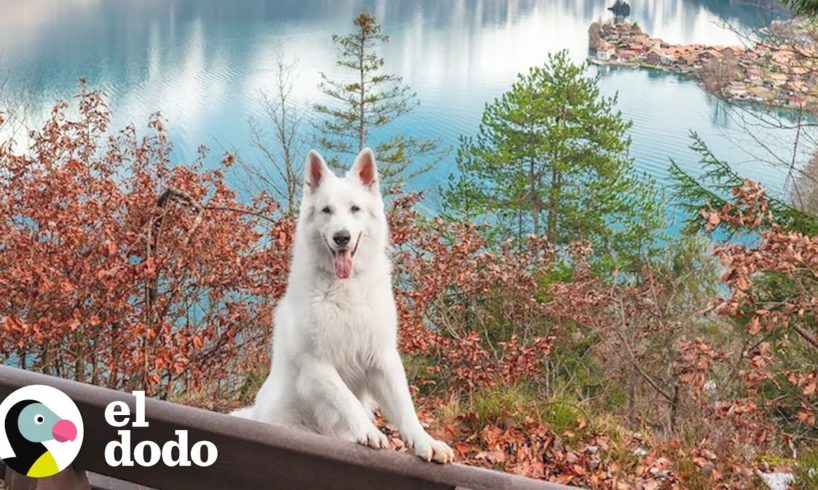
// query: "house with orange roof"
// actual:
[[654, 57], [604, 51], [731, 52], [709, 54]]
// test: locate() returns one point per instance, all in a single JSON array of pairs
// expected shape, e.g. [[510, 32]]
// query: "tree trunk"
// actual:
[[362, 93], [553, 204], [554, 191], [674, 408], [283, 132], [533, 195]]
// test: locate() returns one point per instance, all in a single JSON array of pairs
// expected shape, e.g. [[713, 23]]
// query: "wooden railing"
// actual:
[[251, 454]]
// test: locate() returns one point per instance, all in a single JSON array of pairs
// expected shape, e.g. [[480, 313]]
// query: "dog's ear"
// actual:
[[315, 170], [365, 170]]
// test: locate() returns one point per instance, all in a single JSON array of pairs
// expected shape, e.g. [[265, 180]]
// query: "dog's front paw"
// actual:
[[371, 436], [430, 449]]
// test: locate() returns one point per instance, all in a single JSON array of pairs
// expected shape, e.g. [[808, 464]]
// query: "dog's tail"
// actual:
[[245, 413]]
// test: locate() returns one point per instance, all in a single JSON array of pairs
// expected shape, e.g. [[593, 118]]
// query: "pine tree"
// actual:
[[552, 157], [807, 8], [367, 101], [714, 186]]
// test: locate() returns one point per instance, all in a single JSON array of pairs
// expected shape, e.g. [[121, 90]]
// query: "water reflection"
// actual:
[[203, 62]]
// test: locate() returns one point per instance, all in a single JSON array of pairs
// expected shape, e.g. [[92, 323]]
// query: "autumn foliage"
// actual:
[[773, 291], [452, 286], [122, 269]]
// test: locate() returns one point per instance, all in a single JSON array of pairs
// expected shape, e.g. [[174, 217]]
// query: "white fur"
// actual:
[[335, 340]]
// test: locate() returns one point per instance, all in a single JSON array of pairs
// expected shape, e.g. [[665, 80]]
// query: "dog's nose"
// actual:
[[341, 238]]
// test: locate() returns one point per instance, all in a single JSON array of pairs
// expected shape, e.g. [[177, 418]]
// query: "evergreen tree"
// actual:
[[367, 101], [808, 8], [713, 187], [551, 157]]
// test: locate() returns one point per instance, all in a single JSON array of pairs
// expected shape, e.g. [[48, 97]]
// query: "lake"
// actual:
[[204, 63]]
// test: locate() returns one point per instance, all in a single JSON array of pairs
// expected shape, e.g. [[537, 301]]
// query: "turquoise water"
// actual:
[[203, 64]]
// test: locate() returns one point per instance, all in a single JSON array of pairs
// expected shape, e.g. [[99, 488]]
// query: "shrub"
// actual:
[[120, 269]]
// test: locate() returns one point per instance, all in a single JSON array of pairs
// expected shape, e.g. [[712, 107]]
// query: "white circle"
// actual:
[[58, 402]]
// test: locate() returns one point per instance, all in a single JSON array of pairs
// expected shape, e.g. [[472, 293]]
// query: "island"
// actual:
[[774, 74]]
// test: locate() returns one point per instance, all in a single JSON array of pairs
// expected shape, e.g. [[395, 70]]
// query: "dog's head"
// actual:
[[343, 217]]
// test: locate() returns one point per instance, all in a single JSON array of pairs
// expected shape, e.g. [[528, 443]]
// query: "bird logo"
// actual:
[[42, 431]]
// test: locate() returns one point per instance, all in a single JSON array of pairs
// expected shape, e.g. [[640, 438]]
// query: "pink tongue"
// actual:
[[343, 264]]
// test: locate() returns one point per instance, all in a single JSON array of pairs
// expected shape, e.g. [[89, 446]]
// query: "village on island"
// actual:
[[782, 75]]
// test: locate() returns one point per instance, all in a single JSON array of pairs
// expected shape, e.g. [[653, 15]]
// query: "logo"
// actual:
[[148, 453], [40, 431]]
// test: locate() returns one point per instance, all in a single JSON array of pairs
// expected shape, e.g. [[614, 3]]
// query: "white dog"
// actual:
[[335, 335]]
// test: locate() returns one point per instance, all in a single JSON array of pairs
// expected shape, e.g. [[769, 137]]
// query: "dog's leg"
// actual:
[[391, 390], [325, 393]]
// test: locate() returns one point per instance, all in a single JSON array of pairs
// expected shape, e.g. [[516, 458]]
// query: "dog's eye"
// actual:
[[355, 208], [326, 210]]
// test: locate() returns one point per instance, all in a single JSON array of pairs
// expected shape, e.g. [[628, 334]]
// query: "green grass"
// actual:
[[416, 372], [806, 471], [562, 415], [692, 476], [501, 404]]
